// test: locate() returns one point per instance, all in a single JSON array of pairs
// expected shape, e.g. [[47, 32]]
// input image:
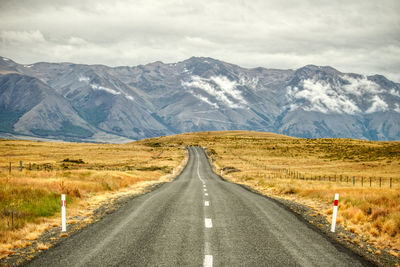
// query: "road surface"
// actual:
[[198, 220]]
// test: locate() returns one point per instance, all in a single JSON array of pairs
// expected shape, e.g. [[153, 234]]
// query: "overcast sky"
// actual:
[[358, 36]]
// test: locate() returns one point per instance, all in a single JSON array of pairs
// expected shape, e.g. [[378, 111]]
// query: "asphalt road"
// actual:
[[199, 220]]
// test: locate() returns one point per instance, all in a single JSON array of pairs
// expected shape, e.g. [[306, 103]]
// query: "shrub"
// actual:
[[77, 161]]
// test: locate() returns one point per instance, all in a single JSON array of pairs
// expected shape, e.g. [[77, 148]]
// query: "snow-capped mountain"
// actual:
[[99, 103]]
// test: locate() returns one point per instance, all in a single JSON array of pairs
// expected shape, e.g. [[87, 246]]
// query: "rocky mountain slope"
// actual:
[[98, 103]]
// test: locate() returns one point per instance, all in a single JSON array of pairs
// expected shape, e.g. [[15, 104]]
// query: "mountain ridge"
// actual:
[[198, 94]]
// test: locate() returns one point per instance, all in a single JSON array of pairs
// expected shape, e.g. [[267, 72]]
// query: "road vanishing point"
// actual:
[[199, 220]]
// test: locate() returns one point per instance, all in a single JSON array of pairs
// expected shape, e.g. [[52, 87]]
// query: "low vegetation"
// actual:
[[31, 195]]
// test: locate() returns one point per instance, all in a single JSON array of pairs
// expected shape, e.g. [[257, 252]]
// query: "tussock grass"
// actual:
[[87, 173], [41, 246]]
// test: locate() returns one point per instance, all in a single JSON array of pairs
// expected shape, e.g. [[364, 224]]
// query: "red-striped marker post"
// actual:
[[63, 219], [334, 215]]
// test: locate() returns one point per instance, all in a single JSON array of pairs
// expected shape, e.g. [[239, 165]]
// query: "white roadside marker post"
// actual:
[[334, 214], [63, 218], [221, 172]]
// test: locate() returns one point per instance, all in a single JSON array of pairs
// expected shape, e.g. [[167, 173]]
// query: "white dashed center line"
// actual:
[[208, 258], [208, 223], [208, 261]]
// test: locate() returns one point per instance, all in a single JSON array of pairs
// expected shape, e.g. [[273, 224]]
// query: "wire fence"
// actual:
[[354, 180]]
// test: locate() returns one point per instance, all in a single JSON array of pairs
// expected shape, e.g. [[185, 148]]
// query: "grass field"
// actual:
[[309, 171], [30, 198]]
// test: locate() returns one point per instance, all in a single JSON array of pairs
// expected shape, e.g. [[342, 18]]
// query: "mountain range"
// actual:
[[97, 103]]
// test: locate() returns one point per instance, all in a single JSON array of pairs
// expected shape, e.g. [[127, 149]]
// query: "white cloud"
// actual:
[[111, 91], [397, 108], [228, 87], [76, 41], [360, 86], [205, 99], [24, 37], [394, 92], [108, 90], [322, 98], [377, 105], [291, 91], [129, 97], [198, 41], [86, 80], [220, 88], [251, 82]]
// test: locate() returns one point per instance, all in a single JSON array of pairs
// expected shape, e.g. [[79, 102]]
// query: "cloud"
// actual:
[[322, 97], [218, 87], [377, 105], [228, 87], [396, 108], [94, 86], [394, 92], [108, 90], [360, 86], [204, 99], [251, 82], [274, 33], [21, 37], [76, 41]]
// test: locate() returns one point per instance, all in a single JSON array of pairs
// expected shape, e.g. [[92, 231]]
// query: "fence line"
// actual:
[[287, 173]]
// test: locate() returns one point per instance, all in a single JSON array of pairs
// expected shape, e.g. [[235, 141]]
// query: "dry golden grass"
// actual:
[[274, 163], [90, 174], [41, 246]]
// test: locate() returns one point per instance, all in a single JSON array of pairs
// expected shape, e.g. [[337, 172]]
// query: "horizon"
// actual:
[[201, 57]]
